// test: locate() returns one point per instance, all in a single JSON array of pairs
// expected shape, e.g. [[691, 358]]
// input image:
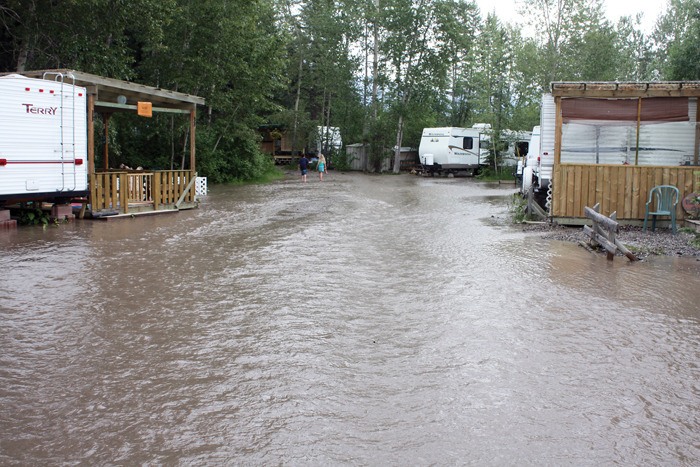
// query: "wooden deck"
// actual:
[[618, 188], [125, 192]]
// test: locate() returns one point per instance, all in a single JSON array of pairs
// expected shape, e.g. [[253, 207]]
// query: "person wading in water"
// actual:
[[303, 167], [321, 166]]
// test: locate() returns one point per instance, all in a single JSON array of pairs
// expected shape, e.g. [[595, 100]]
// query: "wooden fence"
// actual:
[[617, 188], [122, 191], [603, 233]]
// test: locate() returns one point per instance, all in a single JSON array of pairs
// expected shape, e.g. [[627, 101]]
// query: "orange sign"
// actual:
[[145, 109]]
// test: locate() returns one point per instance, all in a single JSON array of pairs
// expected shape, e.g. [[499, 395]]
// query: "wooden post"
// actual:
[[559, 122], [697, 140], [123, 193], [193, 124], [156, 191], [193, 169], [93, 190], [611, 236], [105, 119], [639, 124], [91, 132]]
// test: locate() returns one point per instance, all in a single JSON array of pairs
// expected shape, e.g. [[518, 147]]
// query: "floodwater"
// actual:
[[365, 320]]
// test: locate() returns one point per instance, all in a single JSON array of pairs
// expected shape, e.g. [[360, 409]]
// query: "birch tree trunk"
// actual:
[[399, 140]]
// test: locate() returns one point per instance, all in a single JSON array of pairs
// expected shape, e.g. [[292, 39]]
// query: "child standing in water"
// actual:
[[303, 167], [321, 166]]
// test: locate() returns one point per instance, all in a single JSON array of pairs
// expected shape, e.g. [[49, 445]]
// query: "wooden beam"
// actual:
[[599, 239], [608, 223], [631, 256], [108, 89], [612, 89], [84, 79], [129, 107], [187, 189]]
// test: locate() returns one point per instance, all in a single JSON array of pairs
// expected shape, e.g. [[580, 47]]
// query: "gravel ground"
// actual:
[[642, 244]]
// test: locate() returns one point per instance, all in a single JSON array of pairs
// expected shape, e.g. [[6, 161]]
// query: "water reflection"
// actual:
[[365, 320]]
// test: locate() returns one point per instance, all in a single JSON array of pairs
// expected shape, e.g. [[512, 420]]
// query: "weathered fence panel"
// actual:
[[603, 232], [620, 188]]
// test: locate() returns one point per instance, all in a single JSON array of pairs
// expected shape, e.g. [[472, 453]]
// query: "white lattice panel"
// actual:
[[201, 186]]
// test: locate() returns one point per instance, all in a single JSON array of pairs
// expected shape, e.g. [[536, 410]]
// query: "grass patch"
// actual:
[[646, 250], [695, 241], [272, 175], [487, 174], [517, 206]]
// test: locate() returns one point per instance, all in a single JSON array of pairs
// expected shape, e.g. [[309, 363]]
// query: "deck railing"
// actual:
[[155, 190]]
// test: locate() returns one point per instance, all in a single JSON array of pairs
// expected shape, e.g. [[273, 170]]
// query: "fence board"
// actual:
[[622, 194], [617, 188]]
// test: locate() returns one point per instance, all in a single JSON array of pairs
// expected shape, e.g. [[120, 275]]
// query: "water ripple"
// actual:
[[366, 320]]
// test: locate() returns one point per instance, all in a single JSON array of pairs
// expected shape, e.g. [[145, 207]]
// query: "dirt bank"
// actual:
[[642, 244]]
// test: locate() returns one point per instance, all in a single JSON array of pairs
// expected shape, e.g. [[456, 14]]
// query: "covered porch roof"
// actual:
[[625, 89], [117, 95], [107, 96]]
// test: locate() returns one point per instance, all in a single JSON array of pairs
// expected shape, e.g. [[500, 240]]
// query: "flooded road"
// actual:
[[365, 320]]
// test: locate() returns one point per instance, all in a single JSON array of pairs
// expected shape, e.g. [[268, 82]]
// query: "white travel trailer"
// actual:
[[43, 139], [451, 150], [532, 151], [328, 139], [539, 162], [518, 143]]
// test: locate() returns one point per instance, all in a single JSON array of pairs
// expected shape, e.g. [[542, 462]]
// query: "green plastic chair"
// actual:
[[666, 200]]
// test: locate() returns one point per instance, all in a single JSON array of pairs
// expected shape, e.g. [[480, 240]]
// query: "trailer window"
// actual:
[[468, 143], [521, 149]]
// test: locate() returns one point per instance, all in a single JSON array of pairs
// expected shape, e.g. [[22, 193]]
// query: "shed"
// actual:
[[358, 156], [642, 134]]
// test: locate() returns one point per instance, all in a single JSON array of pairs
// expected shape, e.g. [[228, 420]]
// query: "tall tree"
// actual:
[[677, 37], [493, 79], [634, 50], [417, 51], [228, 52], [568, 31], [527, 94]]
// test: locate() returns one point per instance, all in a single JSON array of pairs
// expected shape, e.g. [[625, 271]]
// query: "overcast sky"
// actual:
[[507, 10]]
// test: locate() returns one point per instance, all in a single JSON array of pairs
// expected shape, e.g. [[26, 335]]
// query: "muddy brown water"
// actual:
[[365, 320]]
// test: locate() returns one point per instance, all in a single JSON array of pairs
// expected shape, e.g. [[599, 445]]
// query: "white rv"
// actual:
[[43, 139], [328, 139], [525, 160], [451, 150], [539, 162], [518, 143]]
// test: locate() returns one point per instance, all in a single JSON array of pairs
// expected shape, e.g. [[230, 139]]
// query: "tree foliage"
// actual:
[[381, 70], [678, 33]]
